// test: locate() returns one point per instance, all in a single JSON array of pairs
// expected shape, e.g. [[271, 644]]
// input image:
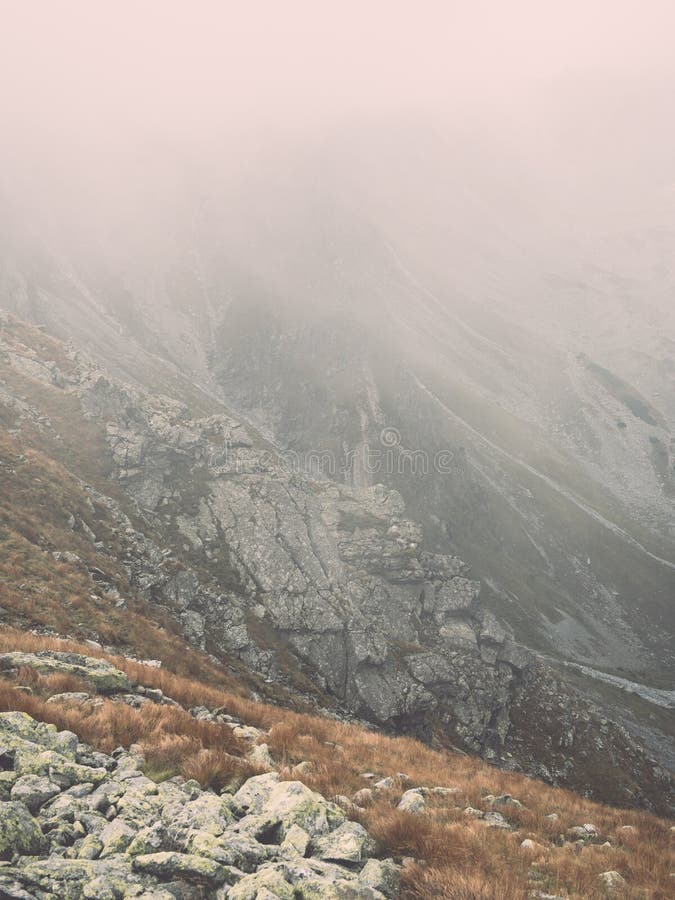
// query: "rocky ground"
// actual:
[[80, 824]]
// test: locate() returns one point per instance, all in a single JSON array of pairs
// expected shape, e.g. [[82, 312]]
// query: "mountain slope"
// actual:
[[322, 589], [70, 565]]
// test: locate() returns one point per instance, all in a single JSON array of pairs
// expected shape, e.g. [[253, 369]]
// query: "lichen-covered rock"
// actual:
[[115, 837], [34, 791], [98, 672], [412, 801], [268, 880], [382, 875], [613, 882], [106, 832], [229, 849], [292, 803], [167, 866], [19, 831], [296, 842], [348, 843], [74, 879]]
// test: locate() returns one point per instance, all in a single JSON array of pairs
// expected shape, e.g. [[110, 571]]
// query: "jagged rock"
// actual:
[[229, 849], [34, 791], [291, 803], [256, 791], [75, 698], [260, 755], [19, 831], [495, 820], [474, 813], [583, 832], [72, 879], [384, 784], [394, 632], [266, 882], [505, 800]]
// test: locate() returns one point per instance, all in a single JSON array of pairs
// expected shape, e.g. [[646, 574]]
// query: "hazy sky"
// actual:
[[580, 92], [97, 70]]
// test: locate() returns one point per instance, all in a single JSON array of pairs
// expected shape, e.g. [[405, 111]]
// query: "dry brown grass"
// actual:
[[459, 857]]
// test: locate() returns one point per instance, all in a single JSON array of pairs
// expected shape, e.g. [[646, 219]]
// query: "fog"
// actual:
[[520, 133]]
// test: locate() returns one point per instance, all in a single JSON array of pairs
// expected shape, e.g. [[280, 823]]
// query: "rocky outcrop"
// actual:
[[263, 563], [395, 633], [103, 677], [85, 825], [253, 550]]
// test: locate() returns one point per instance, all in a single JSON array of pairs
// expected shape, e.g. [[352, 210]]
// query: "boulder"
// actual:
[[382, 875], [349, 843], [412, 801], [19, 831], [98, 672], [182, 866], [613, 882], [34, 791]]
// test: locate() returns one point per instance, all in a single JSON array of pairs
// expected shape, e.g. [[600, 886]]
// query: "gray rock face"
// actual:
[[337, 573], [131, 837]]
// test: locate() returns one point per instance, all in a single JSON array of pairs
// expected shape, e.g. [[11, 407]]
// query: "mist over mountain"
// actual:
[[352, 336]]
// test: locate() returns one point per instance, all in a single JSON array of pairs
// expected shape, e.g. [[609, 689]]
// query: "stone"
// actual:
[[382, 875], [116, 837], [583, 832], [260, 755], [531, 846], [276, 806], [474, 813], [184, 866], [384, 784], [34, 791], [613, 882], [264, 883], [256, 791], [348, 843], [296, 842], [495, 820], [69, 698], [100, 673], [412, 802], [505, 800], [364, 797], [19, 831], [231, 849]]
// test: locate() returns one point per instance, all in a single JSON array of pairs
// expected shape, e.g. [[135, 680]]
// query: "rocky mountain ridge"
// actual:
[[264, 564]]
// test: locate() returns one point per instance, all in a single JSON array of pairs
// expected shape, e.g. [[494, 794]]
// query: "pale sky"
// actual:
[[151, 67], [580, 94]]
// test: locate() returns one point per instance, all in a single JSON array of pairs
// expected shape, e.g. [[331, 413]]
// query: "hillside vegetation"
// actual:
[[451, 843]]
